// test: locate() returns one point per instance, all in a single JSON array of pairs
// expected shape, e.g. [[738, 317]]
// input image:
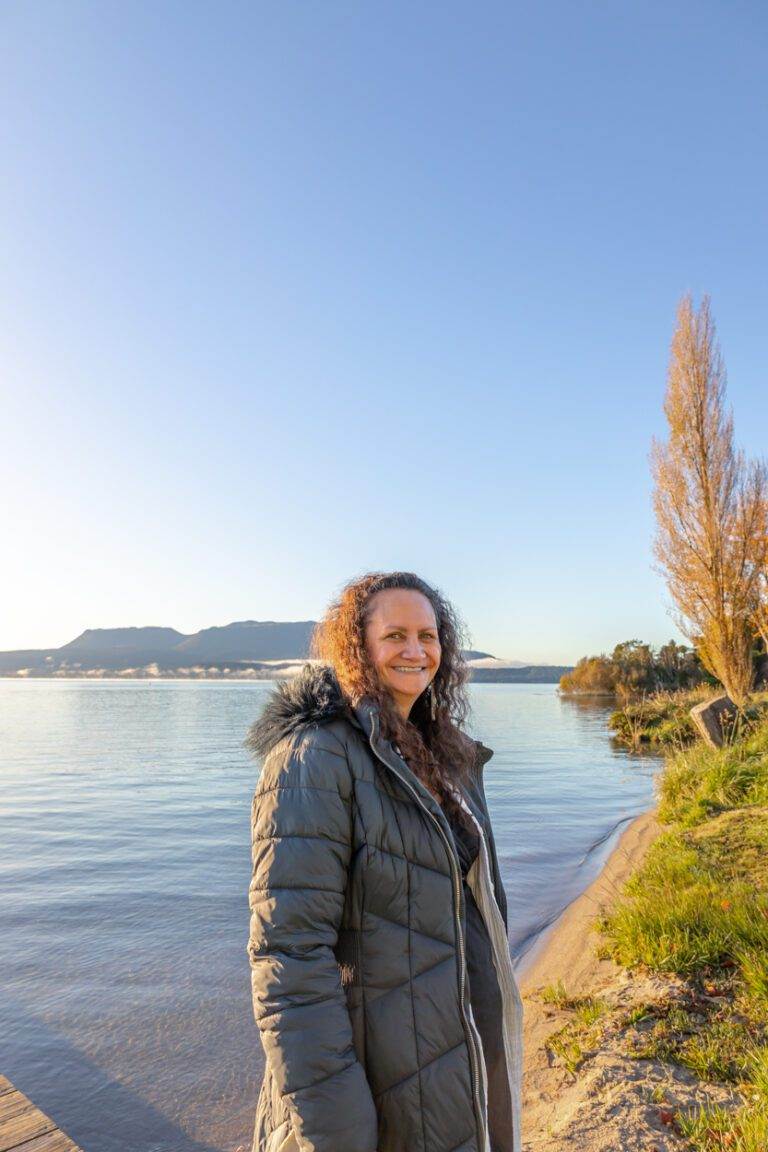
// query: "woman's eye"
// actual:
[[399, 636]]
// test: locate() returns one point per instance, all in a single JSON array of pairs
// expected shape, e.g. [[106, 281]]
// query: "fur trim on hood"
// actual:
[[312, 697]]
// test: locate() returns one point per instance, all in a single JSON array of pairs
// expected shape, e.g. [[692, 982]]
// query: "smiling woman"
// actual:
[[382, 979]]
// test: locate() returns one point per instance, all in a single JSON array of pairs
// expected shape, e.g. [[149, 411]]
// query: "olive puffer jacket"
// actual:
[[356, 945]]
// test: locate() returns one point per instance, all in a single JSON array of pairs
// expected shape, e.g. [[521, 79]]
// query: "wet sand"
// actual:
[[566, 947]]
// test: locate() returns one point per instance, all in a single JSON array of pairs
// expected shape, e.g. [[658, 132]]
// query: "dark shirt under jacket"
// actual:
[[485, 997]]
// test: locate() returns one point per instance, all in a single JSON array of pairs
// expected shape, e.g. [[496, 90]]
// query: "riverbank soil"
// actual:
[[583, 1016]]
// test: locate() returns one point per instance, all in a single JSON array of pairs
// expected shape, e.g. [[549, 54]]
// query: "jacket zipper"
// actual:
[[456, 876]]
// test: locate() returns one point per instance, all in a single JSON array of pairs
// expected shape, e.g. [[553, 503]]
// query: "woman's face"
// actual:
[[402, 641]]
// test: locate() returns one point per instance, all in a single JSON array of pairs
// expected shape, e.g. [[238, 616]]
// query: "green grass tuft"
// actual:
[[572, 1042], [718, 1130]]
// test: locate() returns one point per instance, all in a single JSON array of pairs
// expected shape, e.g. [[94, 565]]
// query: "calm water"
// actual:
[[124, 866]]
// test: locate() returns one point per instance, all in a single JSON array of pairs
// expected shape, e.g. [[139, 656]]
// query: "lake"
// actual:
[[124, 864]]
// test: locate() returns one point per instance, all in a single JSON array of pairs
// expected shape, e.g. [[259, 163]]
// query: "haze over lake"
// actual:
[[125, 858]]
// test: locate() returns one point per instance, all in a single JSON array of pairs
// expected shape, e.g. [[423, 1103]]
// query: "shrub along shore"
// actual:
[[663, 719], [675, 1036]]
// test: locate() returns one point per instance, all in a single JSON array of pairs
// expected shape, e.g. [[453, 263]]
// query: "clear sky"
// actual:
[[289, 291]]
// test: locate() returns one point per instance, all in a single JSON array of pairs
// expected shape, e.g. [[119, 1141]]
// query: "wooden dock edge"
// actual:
[[24, 1128]]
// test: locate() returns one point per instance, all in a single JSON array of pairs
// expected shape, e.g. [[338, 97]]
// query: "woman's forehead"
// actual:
[[399, 606]]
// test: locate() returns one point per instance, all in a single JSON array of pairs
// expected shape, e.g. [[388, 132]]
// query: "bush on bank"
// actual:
[[663, 719], [634, 667]]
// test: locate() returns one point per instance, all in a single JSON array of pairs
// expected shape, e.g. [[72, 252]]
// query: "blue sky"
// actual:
[[292, 291]]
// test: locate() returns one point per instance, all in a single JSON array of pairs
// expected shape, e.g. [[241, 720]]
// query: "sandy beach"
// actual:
[[612, 1103]]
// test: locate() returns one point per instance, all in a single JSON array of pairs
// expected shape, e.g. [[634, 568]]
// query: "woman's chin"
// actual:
[[407, 686]]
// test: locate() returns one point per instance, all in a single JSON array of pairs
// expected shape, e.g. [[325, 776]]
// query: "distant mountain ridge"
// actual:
[[118, 649], [242, 640], [245, 649]]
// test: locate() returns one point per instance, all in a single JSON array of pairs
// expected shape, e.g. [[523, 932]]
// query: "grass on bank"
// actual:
[[698, 907], [573, 1042], [699, 782], [663, 720]]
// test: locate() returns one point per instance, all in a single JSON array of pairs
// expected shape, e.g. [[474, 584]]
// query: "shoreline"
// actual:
[[561, 1111], [627, 842]]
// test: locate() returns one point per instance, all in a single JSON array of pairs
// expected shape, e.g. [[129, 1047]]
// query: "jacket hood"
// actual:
[[314, 696]]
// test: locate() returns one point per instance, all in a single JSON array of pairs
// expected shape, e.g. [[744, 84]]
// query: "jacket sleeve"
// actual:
[[301, 841]]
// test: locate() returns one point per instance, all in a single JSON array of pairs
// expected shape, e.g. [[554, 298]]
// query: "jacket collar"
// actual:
[[366, 713]]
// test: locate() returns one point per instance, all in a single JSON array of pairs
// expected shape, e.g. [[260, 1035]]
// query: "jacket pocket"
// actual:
[[347, 952]]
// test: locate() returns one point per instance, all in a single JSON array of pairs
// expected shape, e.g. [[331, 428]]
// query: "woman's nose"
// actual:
[[414, 649]]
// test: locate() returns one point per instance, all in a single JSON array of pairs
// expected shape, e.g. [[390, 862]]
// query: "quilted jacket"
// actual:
[[356, 941]]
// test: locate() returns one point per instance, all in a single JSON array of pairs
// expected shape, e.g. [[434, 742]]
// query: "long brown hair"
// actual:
[[436, 750]]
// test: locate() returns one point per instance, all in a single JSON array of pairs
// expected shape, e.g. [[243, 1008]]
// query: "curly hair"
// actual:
[[436, 749]]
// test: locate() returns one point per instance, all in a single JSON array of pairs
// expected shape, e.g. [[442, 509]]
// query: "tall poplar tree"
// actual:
[[710, 508]]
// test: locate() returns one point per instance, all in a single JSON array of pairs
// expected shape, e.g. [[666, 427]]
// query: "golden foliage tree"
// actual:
[[710, 508]]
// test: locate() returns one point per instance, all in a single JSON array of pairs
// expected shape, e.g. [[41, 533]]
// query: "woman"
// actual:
[[382, 982]]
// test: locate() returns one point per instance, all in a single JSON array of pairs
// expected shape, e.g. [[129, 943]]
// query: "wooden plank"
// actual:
[[12, 1104], [54, 1141], [25, 1127]]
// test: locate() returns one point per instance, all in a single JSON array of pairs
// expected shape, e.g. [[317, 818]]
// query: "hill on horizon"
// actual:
[[116, 649]]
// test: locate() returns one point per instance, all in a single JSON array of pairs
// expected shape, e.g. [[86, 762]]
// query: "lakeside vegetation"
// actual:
[[663, 719], [655, 690], [634, 667], [698, 908], [691, 926]]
